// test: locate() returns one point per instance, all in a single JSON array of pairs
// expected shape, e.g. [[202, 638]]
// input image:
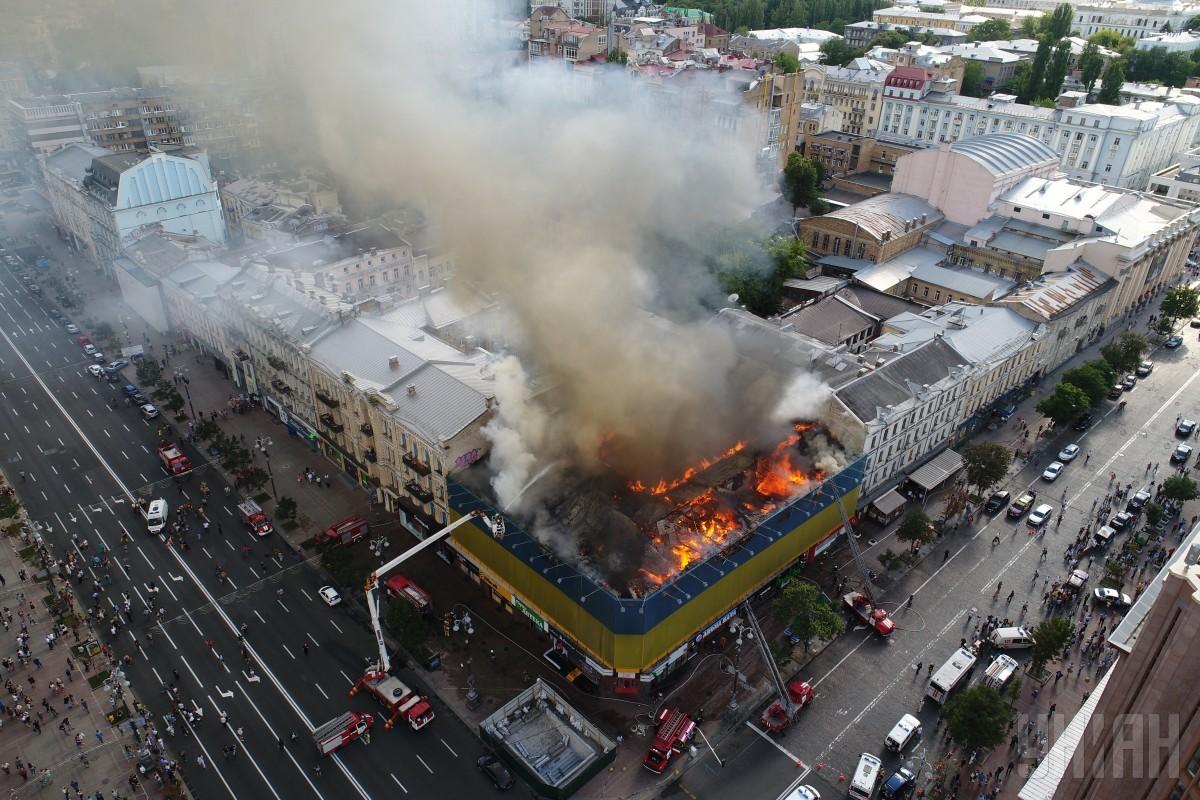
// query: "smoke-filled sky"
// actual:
[[583, 219]]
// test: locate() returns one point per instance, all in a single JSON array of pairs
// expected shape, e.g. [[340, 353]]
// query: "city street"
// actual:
[[76, 462], [864, 684]]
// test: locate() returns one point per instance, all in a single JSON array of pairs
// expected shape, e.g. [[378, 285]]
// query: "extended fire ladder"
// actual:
[[870, 589], [772, 668]]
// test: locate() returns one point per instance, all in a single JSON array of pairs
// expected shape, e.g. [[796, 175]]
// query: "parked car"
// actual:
[[1121, 520], [1129, 382], [1068, 453], [1041, 515], [1182, 453], [1116, 391], [1196, 323], [1173, 342], [495, 771], [1052, 472], [118, 364], [899, 786], [1185, 427], [149, 412], [1021, 504], [329, 595], [1138, 501], [72, 328], [997, 501], [95, 370], [1084, 422], [1144, 369], [1112, 598]]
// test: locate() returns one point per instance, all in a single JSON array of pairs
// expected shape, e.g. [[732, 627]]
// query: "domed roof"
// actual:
[[1001, 153]]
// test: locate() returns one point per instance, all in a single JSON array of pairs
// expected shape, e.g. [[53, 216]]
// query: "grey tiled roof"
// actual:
[[890, 385]]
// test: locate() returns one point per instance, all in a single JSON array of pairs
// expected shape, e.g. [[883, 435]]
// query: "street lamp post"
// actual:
[[187, 391], [271, 475]]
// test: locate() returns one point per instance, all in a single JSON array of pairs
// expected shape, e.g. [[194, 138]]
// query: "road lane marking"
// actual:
[[398, 783], [423, 764], [448, 747], [289, 652], [314, 641], [335, 625], [210, 761], [306, 594], [275, 734], [347, 677], [795, 758], [322, 691]]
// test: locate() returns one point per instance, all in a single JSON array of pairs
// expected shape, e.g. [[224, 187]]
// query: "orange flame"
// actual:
[[663, 486]]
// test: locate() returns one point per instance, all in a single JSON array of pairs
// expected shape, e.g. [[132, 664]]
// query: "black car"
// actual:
[[1185, 428], [997, 501], [1120, 521], [1138, 501], [1084, 422], [496, 772], [899, 786]]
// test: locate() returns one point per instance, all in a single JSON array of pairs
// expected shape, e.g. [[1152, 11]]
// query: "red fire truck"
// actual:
[[254, 518], [337, 733], [398, 586], [402, 702], [675, 732], [344, 531], [173, 460]]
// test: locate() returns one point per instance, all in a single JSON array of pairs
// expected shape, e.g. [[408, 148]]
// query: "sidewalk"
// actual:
[[56, 739]]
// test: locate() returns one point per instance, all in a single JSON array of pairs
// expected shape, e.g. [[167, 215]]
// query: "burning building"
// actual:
[[656, 568]]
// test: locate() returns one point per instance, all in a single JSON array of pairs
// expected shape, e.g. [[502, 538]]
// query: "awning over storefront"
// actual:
[[933, 474], [887, 505]]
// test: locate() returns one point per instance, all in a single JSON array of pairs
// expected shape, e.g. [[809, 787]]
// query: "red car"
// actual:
[[866, 612]]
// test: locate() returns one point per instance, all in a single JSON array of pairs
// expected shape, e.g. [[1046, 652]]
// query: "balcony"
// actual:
[[241, 354], [369, 455], [281, 387], [329, 422], [415, 465], [418, 491], [326, 399], [366, 429], [276, 363]]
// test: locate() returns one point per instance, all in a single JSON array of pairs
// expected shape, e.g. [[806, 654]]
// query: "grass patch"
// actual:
[[70, 619], [27, 553], [13, 529], [97, 680], [261, 498]]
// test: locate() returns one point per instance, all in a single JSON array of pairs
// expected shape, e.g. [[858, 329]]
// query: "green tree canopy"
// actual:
[[787, 63], [986, 464], [1037, 70], [1106, 369], [1125, 353], [1181, 302], [800, 182], [993, 30], [801, 607], [1112, 40], [892, 39], [1110, 84], [1050, 637], [406, 624], [838, 53], [972, 80], [977, 718], [1056, 70], [1179, 488], [1018, 84], [1065, 404], [915, 529], [1091, 63], [1094, 382], [1157, 65], [1057, 23]]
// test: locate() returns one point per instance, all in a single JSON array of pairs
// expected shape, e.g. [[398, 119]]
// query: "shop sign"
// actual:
[[535, 617], [704, 634]]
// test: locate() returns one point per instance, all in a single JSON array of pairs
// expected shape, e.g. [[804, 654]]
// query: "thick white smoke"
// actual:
[[517, 432], [804, 398]]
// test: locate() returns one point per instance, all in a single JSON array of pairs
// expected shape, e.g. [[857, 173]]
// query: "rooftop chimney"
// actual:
[[411, 390], [394, 362]]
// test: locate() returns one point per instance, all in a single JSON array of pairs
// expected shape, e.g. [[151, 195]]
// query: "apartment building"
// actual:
[[1112, 145], [1181, 180], [860, 34], [940, 62], [258, 209], [913, 17], [998, 65], [1135, 20], [554, 35], [855, 89], [41, 125]]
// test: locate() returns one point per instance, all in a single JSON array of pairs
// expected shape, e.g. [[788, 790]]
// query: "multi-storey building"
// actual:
[[940, 62], [553, 34], [1136, 20], [1113, 145], [998, 65], [855, 90], [41, 125], [912, 17], [255, 208], [122, 195], [860, 34], [1181, 180]]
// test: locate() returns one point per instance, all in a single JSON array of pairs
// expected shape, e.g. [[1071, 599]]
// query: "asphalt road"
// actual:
[[865, 684], [82, 459]]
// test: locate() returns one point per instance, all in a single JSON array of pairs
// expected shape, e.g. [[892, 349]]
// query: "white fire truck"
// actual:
[[398, 699]]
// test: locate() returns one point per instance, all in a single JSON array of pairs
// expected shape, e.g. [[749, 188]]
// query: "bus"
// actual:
[[950, 676]]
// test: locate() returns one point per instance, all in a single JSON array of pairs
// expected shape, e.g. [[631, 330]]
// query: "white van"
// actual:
[[1011, 639], [999, 672], [951, 675], [156, 515], [907, 729], [866, 777]]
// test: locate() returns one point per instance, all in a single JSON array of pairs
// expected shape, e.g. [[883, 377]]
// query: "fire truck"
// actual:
[[399, 586], [675, 732], [398, 699], [339, 732], [401, 701], [173, 460], [860, 605], [254, 518]]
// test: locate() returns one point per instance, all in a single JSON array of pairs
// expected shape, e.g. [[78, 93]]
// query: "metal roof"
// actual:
[[1055, 293], [932, 474], [964, 281], [886, 212], [1002, 153], [897, 381]]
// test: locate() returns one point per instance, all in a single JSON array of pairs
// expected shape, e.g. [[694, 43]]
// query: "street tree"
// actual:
[[801, 608], [836, 52], [977, 718], [1091, 64], [285, 509], [1181, 302], [1111, 83], [915, 529], [986, 464], [1037, 71], [1180, 488], [1163, 327], [1065, 404], [1154, 514], [1094, 383], [339, 563], [405, 623], [206, 429], [174, 402], [1106, 369], [1125, 353], [252, 478], [1050, 637], [234, 457]]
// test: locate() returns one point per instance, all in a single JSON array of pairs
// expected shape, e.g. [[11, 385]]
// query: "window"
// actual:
[[837, 244], [816, 239], [1016, 209], [926, 294], [1084, 165], [1108, 167], [1045, 216], [937, 296], [1117, 142]]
